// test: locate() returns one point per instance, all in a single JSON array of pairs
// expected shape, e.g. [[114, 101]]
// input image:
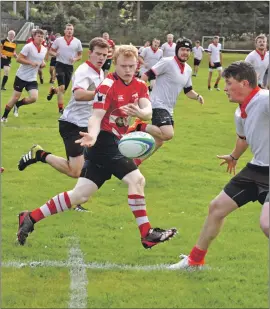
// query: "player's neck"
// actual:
[[261, 51]]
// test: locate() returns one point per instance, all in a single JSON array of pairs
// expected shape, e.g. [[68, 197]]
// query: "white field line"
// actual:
[[94, 265], [78, 276]]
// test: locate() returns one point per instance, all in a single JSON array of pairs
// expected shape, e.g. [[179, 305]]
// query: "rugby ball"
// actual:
[[136, 145]]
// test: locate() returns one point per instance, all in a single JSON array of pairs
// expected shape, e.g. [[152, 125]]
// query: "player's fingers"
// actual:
[[78, 141], [222, 163]]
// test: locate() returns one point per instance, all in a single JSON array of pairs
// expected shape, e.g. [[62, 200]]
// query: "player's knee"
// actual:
[[32, 99], [74, 173], [216, 209], [167, 136], [159, 143], [139, 181]]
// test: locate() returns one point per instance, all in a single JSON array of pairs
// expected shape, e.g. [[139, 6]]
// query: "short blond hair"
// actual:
[[126, 51], [261, 36]]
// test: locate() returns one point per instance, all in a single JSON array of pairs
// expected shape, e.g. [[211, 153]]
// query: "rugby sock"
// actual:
[[6, 111], [137, 205], [4, 80], [59, 203], [216, 85], [197, 255], [20, 103], [138, 161], [41, 155]]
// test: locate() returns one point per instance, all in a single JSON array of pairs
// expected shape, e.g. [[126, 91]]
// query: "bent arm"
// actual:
[[241, 146]]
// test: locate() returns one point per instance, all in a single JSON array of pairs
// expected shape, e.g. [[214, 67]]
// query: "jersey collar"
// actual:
[[180, 64], [37, 47], [68, 41], [262, 55], [154, 50], [247, 100], [92, 66]]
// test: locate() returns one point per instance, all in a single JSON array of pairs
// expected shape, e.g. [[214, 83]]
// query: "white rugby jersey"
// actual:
[[86, 77], [67, 49], [198, 52], [168, 49], [259, 62], [26, 72], [255, 127], [171, 78], [150, 58], [214, 50]]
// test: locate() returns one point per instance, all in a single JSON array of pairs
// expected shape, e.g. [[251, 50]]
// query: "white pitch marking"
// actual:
[[78, 276]]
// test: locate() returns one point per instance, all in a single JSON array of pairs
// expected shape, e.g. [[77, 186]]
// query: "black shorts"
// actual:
[[70, 133], [250, 184], [107, 65], [63, 73], [104, 160], [161, 117], [5, 62], [197, 61], [53, 62], [216, 65], [19, 84]]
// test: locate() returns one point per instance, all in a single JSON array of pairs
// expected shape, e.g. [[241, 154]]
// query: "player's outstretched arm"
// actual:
[[231, 159], [89, 139]]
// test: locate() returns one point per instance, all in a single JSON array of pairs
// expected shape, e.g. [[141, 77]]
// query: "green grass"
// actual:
[[181, 180]]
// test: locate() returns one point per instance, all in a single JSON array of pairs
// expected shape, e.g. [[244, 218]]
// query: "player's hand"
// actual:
[[200, 99], [133, 110], [87, 140], [43, 65], [72, 60], [4, 56], [34, 64], [212, 64], [231, 163]]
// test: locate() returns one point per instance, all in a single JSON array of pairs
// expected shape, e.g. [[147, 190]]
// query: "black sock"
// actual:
[[4, 80], [6, 112], [216, 85], [41, 155], [20, 103]]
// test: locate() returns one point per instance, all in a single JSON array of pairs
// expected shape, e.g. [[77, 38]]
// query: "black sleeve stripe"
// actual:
[[242, 137], [150, 74], [188, 89]]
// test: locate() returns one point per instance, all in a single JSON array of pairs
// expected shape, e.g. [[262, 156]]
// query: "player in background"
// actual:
[[53, 59], [44, 43], [85, 80], [148, 58], [168, 48], [107, 65], [7, 51], [117, 96], [215, 61], [172, 75], [252, 182], [259, 58], [31, 58], [198, 55], [146, 44], [67, 50]]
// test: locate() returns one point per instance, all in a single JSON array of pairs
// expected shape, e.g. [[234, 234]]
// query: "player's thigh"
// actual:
[[222, 205], [33, 93], [161, 117], [242, 188], [6, 69], [122, 167], [68, 75], [60, 74], [265, 211]]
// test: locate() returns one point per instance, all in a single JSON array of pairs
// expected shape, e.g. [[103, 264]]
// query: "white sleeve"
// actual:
[[239, 124], [189, 81], [25, 50], [249, 58], [160, 67], [55, 44], [202, 49], [80, 49], [162, 47], [161, 54], [210, 48], [81, 80], [143, 53]]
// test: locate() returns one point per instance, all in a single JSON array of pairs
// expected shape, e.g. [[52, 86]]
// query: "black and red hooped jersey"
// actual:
[[111, 95]]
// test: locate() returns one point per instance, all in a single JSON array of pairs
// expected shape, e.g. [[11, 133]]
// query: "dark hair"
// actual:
[[241, 70], [100, 42]]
